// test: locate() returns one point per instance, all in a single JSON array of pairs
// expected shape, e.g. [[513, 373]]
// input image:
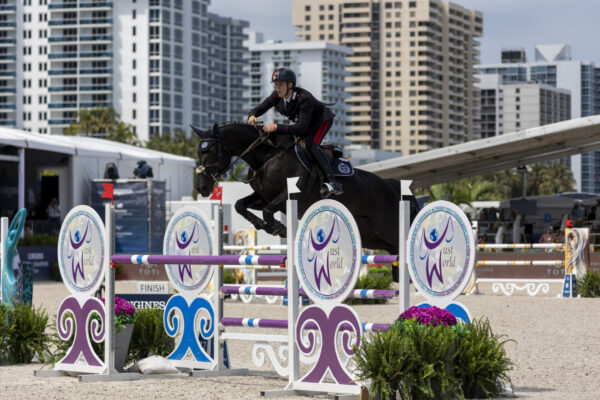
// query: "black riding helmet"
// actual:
[[284, 75]]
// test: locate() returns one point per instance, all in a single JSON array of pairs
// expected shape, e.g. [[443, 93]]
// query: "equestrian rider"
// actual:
[[312, 120]]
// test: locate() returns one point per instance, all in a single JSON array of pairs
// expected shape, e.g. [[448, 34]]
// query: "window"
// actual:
[[133, 14], [133, 30]]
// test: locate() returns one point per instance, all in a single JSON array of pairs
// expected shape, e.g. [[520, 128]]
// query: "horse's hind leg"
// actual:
[[255, 202], [270, 209]]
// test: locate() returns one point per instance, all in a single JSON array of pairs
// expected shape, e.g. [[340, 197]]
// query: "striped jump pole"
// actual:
[[269, 247], [382, 259], [283, 324], [198, 260], [520, 246], [283, 291], [519, 262]]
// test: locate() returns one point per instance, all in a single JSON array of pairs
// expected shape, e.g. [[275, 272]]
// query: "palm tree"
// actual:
[[464, 191], [559, 179], [97, 122]]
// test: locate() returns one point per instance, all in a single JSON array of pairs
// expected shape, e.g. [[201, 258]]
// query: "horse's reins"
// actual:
[[202, 168]]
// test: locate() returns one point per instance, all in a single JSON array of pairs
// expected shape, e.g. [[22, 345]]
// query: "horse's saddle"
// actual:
[[339, 165]]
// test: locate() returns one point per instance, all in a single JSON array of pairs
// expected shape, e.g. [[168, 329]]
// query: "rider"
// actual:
[[312, 120]]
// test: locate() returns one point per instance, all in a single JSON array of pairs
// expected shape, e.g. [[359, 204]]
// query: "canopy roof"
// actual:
[[86, 146], [493, 154]]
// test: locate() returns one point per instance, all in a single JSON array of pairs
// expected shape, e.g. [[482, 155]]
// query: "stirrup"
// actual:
[[329, 189]]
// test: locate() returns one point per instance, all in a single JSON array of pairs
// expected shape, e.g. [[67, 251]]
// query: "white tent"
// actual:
[[78, 160]]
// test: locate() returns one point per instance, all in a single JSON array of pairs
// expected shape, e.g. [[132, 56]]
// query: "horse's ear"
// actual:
[[215, 130], [198, 131]]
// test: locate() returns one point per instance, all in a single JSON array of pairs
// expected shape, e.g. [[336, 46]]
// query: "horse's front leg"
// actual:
[[255, 202], [270, 209]]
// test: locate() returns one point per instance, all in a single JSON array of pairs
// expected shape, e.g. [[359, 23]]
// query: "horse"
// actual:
[[272, 159]]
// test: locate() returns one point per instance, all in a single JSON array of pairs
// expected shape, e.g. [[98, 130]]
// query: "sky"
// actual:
[[506, 23]]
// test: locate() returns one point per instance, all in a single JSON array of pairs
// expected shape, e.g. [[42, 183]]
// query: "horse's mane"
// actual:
[[236, 124]]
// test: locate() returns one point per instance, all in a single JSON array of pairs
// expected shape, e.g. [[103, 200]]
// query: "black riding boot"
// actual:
[[331, 186]]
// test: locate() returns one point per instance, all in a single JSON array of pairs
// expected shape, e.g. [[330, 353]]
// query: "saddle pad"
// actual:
[[340, 166]]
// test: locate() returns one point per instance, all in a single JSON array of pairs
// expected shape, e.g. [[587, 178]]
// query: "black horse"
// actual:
[[372, 201]]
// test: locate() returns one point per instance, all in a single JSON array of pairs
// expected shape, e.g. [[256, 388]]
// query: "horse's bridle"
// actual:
[[201, 169]]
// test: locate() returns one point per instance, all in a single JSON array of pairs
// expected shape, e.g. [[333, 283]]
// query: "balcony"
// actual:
[[95, 71], [62, 6], [8, 106], [63, 22], [96, 5], [63, 89], [60, 121], [8, 90], [8, 123], [63, 105], [95, 55], [94, 88], [8, 8], [94, 105], [8, 41], [63, 55], [8, 73], [63, 72], [101, 21], [63, 39], [95, 38], [8, 57], [4, 25]]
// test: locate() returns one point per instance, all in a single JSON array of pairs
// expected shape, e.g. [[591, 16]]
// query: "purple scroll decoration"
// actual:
[[328, 326], [74, 324]]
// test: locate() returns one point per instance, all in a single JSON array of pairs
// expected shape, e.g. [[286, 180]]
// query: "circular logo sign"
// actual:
[[328, 252], [81, 249], [441, 252], [189, 232]]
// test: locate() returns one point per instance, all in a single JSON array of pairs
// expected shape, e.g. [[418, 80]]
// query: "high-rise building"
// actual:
[[148, 59], [226, 72], [553, 66], [412, 77], [509, 107], [320, 68]]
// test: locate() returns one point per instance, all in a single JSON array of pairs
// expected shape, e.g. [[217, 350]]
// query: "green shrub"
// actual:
[[4, 332], [376, 278], [39, 239], [383, 357], [589, 285], [149, 335], [26, 333], [482, 363], [228, 277], [434, 362]]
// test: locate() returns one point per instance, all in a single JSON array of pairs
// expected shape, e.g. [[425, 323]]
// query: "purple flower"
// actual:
[[122, 306], [429, 316]]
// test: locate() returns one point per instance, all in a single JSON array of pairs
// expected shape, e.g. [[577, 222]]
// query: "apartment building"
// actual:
[[148, 59], [509, 107], [553, 66], [411, 82]]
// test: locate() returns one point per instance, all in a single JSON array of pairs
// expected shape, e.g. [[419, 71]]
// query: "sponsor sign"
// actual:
[[81, 251], [441, 252], [328, 252], [189, 232]]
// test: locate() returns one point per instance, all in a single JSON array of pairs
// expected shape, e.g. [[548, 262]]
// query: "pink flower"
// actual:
[[429, 316]]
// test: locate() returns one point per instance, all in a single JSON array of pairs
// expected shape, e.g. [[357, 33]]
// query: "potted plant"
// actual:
[[124, 322]]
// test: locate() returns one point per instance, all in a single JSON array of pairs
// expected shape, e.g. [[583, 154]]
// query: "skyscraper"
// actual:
[[148, 59], [553, 66], [412, 78]]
